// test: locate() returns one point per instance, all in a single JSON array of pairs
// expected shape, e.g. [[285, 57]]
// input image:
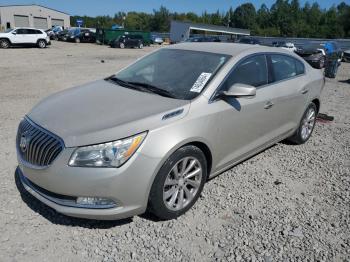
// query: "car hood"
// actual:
[[102, 111]]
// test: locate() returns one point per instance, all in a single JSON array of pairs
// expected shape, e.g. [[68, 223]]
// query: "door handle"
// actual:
[[305, 91], [268, 105]]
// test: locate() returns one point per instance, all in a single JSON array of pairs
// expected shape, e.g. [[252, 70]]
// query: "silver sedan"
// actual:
[[150, 136]]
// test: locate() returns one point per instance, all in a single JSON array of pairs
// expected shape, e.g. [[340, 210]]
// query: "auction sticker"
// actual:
[[200, 83]]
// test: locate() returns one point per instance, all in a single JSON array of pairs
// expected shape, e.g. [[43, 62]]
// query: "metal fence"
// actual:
[[344, 44]]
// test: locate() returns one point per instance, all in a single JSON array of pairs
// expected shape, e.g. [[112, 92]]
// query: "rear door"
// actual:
[[287, 92], [31, 36]]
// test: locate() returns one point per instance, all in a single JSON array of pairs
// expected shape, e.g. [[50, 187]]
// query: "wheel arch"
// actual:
[[6, 38], [317, 102]]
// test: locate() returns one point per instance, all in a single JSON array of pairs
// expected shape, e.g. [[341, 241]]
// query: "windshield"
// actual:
[[181, 73], [8, 30]]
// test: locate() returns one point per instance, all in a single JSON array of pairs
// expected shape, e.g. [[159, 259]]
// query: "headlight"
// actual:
[[112, 154]]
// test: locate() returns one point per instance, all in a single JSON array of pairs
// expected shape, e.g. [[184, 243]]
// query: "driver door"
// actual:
[[245, 122]]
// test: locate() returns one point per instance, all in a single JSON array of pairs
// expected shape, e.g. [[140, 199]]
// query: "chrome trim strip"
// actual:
[[62, 202]]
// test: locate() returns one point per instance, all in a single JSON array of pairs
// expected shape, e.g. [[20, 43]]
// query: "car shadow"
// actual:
[[345, 81], [233, 102], [60, 219]]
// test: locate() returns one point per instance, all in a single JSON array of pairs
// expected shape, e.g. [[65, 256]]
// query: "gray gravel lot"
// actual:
[[289, 203]]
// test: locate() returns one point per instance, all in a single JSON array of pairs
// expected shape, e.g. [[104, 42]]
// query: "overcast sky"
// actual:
[[110, 7]]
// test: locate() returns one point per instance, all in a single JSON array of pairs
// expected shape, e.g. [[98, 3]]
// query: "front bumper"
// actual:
[[59, 185]]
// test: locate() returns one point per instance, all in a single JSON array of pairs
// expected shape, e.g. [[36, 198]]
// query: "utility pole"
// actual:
[[229, 18]]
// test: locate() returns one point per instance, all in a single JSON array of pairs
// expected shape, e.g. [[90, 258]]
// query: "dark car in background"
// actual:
[[249, 41], [203, 39], [346, 56], [130, 41], [314, 54], [63, 35], [78, 35]]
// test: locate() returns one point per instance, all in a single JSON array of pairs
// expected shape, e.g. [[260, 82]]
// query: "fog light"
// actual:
[[95, 202]]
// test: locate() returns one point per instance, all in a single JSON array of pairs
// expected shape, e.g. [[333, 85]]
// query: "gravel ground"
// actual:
[[288, 203]]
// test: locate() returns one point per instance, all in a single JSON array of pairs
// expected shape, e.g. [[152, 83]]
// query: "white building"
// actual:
[[180, 31], [32, 16]]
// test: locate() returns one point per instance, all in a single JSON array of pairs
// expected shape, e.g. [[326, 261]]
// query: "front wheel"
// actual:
[[306, 126], [4, 43], [77, 40], [140, 45], [122, 45], [178, 183], [41, 44]]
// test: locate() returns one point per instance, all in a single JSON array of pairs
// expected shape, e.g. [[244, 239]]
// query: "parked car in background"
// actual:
[[63, 35], [23, 36], [52, 33], [157, 40], [249, 40], [78, 35], [346, 56], [285, 45], [203, 39], [314, 54], [151, 135], [124, 41]]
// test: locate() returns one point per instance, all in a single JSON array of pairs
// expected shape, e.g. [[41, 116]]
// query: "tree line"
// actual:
[[285, 18]]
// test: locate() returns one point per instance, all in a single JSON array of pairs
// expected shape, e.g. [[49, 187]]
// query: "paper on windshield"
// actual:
[[200, 82]]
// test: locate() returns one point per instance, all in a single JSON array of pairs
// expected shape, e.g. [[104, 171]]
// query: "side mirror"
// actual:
[[240, 90], [14, 33]]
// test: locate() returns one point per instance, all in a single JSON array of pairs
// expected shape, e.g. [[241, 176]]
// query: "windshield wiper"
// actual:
[[153, 89], [141, 86]]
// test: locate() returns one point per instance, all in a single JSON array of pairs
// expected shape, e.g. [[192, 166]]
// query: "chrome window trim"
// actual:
[[214, 96]]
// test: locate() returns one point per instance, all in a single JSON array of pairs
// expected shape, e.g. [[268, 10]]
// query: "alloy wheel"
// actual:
[[4, 44], [42, 44], [308, 123], [182, 183]]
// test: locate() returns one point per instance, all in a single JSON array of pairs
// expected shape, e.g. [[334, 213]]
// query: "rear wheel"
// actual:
[[140, 45], [178, 183], [41, 44], [306, 126], [4, 43], [77, 40], [122, 45]]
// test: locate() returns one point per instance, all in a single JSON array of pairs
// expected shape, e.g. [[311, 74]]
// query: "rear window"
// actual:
[[285, 67]]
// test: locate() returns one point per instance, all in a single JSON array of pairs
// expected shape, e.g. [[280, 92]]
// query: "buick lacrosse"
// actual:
[[150, 136]]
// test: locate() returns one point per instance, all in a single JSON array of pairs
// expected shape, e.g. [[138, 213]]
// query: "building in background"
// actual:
[[36, 16], [181, 31]]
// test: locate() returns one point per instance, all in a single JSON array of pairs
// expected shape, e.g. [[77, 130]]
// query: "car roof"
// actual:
[[231, 49], [28, 28]]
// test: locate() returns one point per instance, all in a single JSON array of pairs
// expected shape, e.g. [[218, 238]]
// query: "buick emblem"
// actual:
[[24, 142]]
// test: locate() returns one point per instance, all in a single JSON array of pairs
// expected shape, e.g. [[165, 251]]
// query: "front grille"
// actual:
[[36, 145]]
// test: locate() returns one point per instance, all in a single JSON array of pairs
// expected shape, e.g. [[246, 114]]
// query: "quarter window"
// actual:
[[285, 67], [251, 71]]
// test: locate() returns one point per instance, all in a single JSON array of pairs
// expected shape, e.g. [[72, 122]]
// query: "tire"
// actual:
[[4, 43], [77, 40], [122, 45], [168, 189], [306, 126], [140, 46], [321, 63], [41, 43]]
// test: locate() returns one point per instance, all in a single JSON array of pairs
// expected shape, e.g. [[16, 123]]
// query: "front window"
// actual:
[[183, 74], [251, 71]]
